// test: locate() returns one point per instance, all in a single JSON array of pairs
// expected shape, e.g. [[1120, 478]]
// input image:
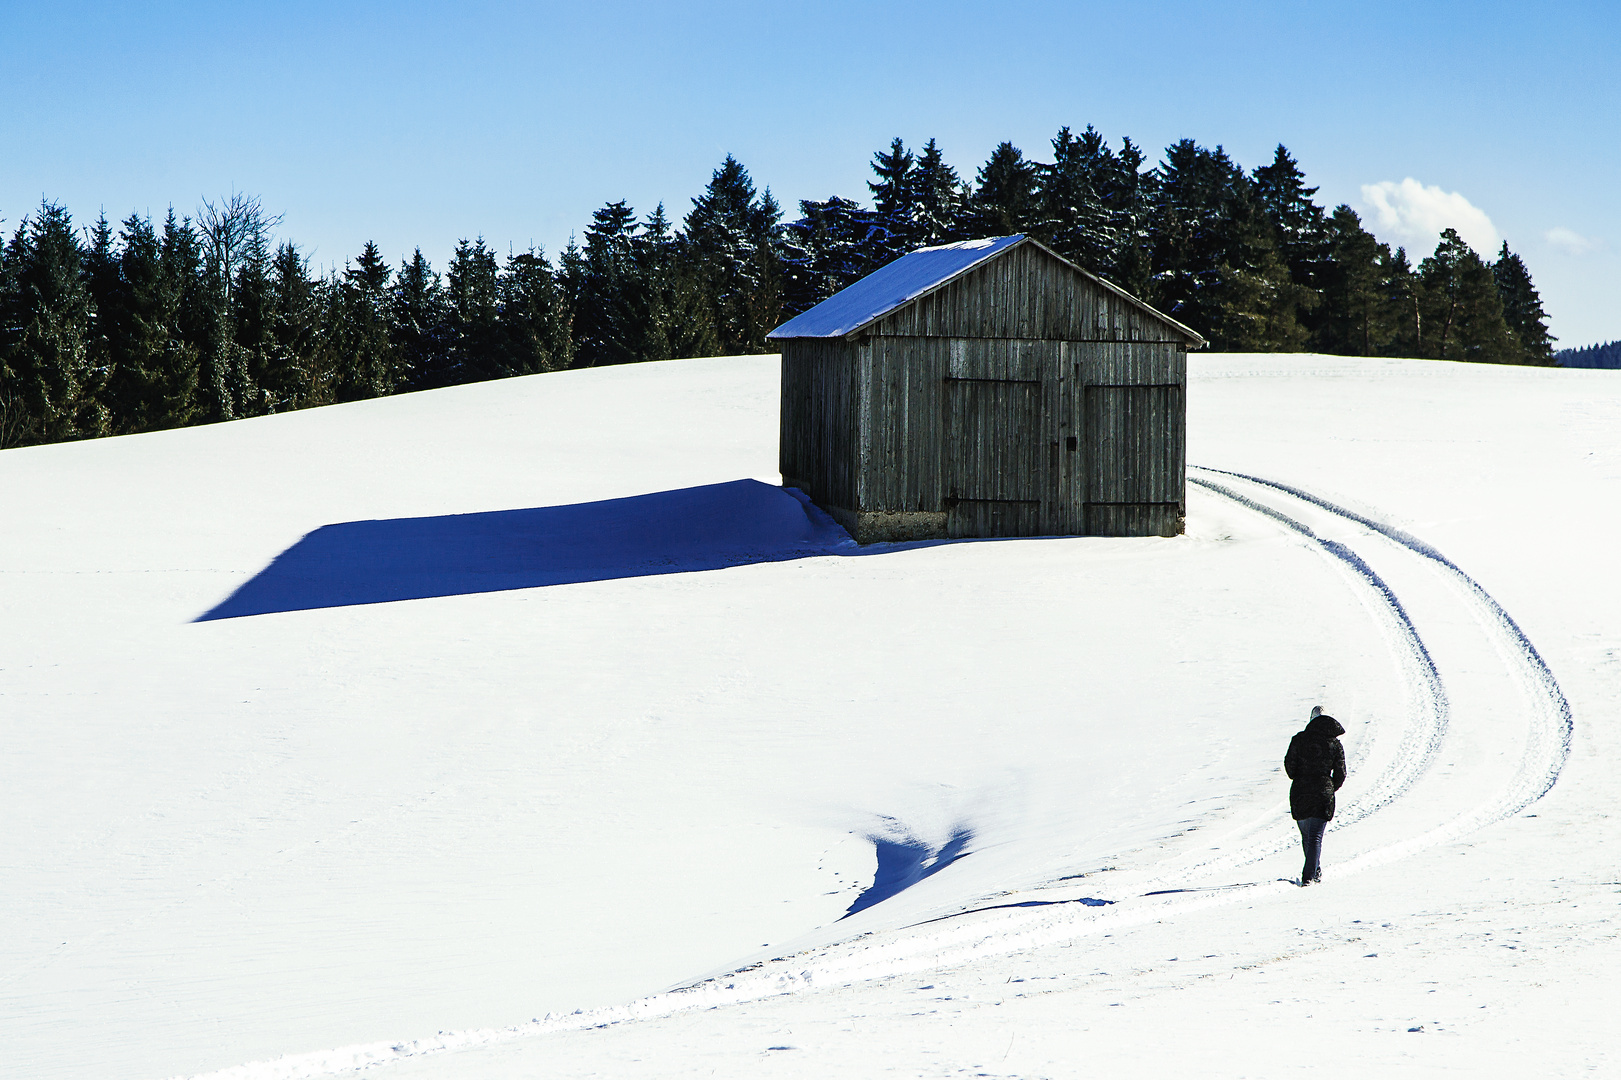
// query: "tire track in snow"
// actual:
[[886, 955], [1550, 730], [1427, 728], [1552, 724], [1558, 724]]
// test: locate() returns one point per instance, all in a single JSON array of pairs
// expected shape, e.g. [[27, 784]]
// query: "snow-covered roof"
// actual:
[[887, 288]]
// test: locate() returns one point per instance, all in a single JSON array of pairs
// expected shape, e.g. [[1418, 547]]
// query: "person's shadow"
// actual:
[[667, 532]]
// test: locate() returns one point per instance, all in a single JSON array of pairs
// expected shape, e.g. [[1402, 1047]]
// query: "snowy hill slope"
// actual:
[[328, 731]]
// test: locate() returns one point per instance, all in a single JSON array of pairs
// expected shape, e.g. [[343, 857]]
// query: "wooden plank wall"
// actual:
[[997, 482], [1001, 442], [902, 397], [1025, 293], [818, 439], [945, 423], [1133, 445], [1114, 364], [996, 444], [1133, 421]]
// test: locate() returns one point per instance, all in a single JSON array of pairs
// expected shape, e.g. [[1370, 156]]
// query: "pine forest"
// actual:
[[111, 329]]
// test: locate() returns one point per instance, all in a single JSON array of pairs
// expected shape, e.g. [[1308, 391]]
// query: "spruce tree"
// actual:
[[154, 370], [102, 284], [234, 236], [1073, 220], [223, 388], [1463, 314], [611, 310], [1196, 190], [1302, 239], [1216, 266], [572, 276], [296, 372], [1129, 197], [731, 245], [533, 321], [364, 363], [940, 198], [473, 303], [252, 324], [16, 422], [654, 257], [1004, 199], [1522, 309], [831, 246], [47, 378], [682, 318], [1354, 319], [895, 203], [196, 320], [1403, 295], [418, 322]]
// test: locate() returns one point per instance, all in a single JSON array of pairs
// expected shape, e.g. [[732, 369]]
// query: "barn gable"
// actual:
[[1008, 287], [1032, 293]]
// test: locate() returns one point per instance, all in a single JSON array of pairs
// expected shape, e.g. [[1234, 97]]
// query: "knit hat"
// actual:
[[1316, 711]]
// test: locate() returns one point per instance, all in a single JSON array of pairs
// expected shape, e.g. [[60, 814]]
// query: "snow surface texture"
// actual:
[[331, 746]]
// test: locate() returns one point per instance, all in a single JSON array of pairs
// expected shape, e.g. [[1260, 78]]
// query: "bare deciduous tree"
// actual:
[[235, 231]]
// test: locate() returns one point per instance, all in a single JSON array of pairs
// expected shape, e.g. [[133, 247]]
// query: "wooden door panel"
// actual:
[[995, 460], [1134, 444]]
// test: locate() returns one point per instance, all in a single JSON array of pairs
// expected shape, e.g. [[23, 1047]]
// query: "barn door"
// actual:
[[1134, 460], [994, 457]]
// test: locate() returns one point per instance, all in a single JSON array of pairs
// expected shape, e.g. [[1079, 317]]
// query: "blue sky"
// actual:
[[419, 124]]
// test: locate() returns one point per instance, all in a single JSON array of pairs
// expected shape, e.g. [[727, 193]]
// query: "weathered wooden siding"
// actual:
[[1132, 411], [1001, 437], [996, 470], [1116, 364], [1025, 293], [1133, 448], [1133, 520], [902, 388], [819, 451], [1020, 399]]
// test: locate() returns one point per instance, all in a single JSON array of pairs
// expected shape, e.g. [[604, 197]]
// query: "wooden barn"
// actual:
[[986, 388]]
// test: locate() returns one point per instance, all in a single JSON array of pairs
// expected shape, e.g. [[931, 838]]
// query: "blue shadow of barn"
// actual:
[[667, 532]]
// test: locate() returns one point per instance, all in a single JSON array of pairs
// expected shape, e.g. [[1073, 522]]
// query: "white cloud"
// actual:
[[1570, 241], [1412, 214]]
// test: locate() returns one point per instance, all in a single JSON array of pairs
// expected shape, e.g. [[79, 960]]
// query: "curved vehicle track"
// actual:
[[1475, 686]]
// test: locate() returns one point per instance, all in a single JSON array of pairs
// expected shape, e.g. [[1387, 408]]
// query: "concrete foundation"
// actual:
[[882, 526]]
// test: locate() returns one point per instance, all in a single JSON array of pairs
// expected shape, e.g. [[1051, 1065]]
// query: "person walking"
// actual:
[[1316, 765]]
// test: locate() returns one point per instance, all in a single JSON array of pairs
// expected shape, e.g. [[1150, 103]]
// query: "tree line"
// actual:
[[145, 326], [1606, 355]]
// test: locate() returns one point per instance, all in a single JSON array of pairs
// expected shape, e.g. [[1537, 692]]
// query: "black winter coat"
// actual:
[[1316, 764]]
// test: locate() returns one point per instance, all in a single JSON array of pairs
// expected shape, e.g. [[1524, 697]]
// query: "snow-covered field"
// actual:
[[525, 729]]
